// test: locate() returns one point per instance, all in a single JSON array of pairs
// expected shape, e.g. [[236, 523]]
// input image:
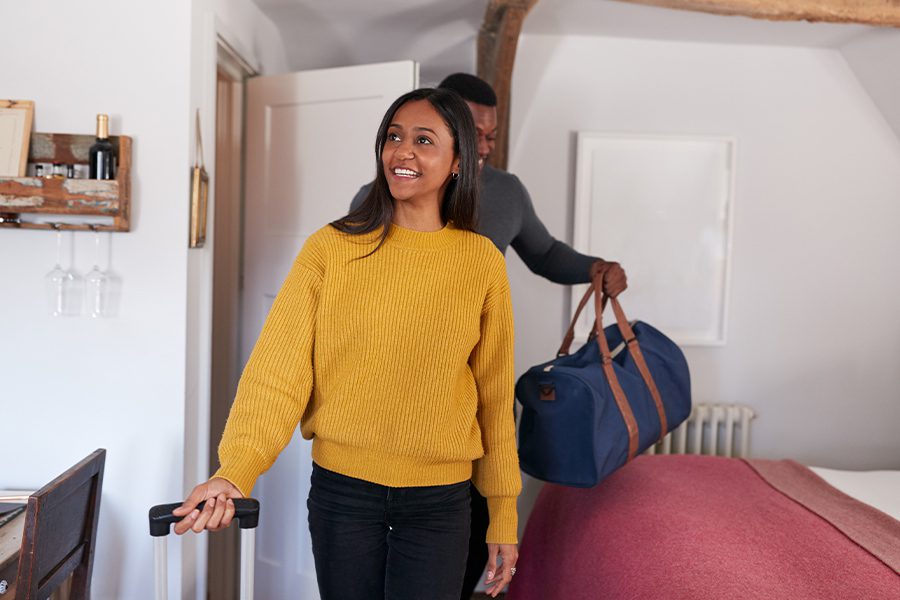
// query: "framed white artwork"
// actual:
[[663, 207], [15, 134]]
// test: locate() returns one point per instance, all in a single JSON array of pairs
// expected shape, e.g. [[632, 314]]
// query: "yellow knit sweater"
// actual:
[[399, 367]]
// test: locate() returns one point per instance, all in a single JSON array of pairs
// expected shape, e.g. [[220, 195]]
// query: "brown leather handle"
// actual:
[[600, 301], [635, 349], [606, 362], [570, 333]]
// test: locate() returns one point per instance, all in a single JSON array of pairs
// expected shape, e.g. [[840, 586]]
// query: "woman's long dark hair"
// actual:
[[460, 201]]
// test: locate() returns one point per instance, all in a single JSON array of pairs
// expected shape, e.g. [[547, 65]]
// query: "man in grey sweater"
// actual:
[[506, 215]]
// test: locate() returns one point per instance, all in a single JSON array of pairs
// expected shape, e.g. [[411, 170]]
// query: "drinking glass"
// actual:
[[63, 285], [98, 284]]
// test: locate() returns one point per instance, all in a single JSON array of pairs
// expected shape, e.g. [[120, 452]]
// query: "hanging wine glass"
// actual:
[[63, 285], [98, 283], [56, 280]]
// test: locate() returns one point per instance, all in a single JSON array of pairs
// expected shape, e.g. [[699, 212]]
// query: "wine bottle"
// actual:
[[102, 154]]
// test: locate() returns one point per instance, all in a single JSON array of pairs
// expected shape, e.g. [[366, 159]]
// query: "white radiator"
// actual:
[[713, 429]]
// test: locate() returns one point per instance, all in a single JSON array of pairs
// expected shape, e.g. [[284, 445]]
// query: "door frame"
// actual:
[[232, 71]]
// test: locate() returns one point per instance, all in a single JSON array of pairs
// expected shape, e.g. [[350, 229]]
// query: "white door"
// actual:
[[310, 146]]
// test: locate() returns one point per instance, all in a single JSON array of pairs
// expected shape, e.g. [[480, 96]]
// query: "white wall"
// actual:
[[813, 327], [871, 57], [75, 384]]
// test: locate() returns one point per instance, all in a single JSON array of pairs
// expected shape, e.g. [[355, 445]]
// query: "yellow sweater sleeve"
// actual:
[[277, 382], [496, 474]]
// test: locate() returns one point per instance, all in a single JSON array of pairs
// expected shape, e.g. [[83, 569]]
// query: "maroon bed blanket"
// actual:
[[698, 527]]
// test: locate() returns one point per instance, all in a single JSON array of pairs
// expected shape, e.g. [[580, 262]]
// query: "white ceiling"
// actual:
[[441, 34], [621, 19]]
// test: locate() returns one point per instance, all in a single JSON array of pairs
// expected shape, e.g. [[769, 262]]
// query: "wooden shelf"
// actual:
[[68, 197]]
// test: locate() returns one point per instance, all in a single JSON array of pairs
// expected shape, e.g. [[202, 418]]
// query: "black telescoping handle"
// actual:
[[246, 511]]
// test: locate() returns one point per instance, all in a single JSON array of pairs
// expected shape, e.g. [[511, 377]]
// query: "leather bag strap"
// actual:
[[607, 364], [570, 334], [635, 349]]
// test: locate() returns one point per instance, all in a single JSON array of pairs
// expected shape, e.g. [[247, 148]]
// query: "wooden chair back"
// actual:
[[60, 532]]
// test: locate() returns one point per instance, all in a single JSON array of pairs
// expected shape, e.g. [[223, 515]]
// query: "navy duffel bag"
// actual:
[[586, 414]]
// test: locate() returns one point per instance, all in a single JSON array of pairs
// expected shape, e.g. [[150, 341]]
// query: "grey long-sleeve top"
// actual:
[[506, 215]]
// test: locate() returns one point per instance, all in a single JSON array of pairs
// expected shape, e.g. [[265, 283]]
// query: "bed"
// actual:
[[697, 527]]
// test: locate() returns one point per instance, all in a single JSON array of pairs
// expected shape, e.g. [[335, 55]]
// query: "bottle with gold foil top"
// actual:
[[102, 153]]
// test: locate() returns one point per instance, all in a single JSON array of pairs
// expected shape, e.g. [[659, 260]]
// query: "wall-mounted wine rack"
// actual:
[[63, 197]]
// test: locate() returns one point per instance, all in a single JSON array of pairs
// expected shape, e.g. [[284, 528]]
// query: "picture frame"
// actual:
[[199, 201], [16, 117], [661, 205], [199, 193]]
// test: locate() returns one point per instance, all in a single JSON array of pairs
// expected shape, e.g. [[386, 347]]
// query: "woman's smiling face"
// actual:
[[418, 154]]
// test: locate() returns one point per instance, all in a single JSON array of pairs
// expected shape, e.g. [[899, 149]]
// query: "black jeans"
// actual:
[[478, 550], [372, 542]]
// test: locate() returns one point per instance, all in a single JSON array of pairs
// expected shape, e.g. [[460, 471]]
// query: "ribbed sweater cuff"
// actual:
[[243, 472], [503, 528]]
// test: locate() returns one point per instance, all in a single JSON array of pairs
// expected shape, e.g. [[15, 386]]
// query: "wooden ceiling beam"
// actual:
[[497, 41], [885, 13], [503, 19]]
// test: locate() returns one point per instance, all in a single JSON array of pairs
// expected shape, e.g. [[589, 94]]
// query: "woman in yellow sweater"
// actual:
[[391, 344]]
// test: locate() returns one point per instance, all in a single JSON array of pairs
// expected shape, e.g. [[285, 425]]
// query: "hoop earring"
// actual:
[[454, 175]]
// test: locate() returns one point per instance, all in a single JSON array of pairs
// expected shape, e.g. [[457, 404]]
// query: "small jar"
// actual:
[[38, 170], [70, 171], [58, 171]]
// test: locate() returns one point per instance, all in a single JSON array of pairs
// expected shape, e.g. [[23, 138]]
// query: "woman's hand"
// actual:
[[216, 514], [499, 577]]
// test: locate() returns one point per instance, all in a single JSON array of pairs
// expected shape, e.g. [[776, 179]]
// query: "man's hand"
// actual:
[[614, 280]]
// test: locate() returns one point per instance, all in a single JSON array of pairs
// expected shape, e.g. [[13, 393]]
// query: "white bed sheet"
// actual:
[[880, 489]]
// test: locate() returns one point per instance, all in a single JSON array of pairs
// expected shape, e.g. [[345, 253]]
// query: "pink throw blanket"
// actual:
[[697, 527]]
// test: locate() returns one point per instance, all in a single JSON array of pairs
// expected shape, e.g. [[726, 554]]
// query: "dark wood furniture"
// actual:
[[10, 543], [60, 532]]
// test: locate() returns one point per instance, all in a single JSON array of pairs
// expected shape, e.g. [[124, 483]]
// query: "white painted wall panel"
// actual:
[[132, 384], [815, 235]]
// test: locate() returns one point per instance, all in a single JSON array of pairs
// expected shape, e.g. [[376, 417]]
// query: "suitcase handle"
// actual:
[[246, 511]]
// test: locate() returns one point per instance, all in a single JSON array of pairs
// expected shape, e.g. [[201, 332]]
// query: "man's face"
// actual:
[[486, 128]]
